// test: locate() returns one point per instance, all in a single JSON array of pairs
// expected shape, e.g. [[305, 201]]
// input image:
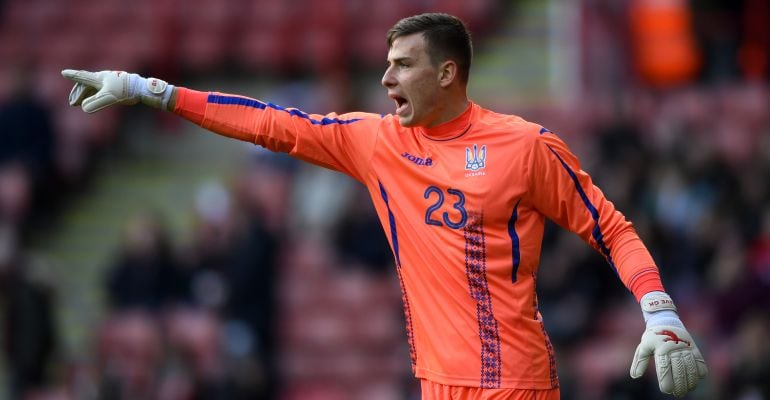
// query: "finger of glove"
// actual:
[[98, 101], [665, 375], [700, 363], [640, 362], [702, 368], [691, 370], [84, 77], [684, 373], [79, 92]]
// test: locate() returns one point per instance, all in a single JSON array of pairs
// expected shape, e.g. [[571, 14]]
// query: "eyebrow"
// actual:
[[400, 59]]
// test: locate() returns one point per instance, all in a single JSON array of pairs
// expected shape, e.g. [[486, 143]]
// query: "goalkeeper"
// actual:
[[462, 193]]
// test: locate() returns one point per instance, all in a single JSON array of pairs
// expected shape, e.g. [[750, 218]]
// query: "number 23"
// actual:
[[458, 205]]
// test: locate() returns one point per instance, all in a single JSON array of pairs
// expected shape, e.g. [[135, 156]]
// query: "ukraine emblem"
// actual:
[[474, 160]]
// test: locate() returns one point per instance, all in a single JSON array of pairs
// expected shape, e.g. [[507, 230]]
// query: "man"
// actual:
[[462, 193]]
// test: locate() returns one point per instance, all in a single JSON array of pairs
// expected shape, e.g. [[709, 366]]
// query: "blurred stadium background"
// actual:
[[141, 258]]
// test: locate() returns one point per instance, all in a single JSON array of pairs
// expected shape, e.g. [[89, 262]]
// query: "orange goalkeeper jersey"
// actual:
[[463, 206]]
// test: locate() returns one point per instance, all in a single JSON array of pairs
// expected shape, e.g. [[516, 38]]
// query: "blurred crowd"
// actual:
[[252, 308], [672, 125]]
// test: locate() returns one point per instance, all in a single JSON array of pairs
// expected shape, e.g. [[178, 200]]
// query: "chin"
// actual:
[[406, 122]]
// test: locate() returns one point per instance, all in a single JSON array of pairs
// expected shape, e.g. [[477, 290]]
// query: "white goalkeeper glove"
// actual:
[[94, 91], [678, 362]]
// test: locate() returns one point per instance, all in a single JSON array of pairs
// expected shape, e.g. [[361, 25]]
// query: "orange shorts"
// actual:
[[437, 391]]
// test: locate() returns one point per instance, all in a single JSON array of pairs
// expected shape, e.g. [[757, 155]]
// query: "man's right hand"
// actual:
[[94, 91]]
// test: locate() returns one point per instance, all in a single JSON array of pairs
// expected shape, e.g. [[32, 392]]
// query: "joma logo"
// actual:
[[417, 160]]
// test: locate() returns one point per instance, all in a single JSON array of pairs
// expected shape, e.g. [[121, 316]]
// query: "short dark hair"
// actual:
[[447, 37]]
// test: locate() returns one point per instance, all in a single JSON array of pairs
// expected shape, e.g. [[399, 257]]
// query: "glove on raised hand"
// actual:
[[678, 362], [94, 91]]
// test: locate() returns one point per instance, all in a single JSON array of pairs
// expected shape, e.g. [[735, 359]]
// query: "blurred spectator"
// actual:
[[717, 25], [359, 238], [15, 195], [145, 274], [262, 198], [759, 250], [28, 135], [27, 172], [754, 50], [195, 343], [230, 272], [664, 48], [129, 356], [751, 365], [143, 284], [739, 278], [27, 314]]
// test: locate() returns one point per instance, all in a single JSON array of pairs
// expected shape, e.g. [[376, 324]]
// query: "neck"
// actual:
[[451, 110], [451, 128]]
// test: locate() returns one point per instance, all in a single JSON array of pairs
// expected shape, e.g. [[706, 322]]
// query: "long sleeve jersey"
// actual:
[[463, 206]]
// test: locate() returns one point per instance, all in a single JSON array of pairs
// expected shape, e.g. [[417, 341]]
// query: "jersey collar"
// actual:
[[451, 129]]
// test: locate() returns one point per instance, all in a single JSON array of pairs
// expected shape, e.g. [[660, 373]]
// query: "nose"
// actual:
[[387, 79]]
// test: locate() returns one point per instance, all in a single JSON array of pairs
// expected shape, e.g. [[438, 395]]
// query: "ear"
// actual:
[[447, 73]]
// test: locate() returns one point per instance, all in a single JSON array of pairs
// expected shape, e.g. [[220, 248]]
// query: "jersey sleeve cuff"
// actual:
[[191, 104], [646, 282]]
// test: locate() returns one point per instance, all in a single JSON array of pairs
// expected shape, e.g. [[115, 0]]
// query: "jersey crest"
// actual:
[[475, 159]]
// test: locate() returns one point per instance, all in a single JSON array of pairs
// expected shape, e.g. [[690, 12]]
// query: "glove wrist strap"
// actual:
[[159, 88], [153, 92], [658, 309], [657, 301]]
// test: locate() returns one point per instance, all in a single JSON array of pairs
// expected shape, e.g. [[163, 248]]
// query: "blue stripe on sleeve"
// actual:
[[392, 219], [515, 251], [240, 101], [597, 232]]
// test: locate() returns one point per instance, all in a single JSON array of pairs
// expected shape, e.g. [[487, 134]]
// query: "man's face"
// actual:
[[413, 82]]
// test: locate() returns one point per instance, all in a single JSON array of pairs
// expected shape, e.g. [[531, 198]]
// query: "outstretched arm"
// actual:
[[343, 143]]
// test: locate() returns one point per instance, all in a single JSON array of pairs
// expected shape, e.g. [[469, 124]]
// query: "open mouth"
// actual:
[[401, 103]]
